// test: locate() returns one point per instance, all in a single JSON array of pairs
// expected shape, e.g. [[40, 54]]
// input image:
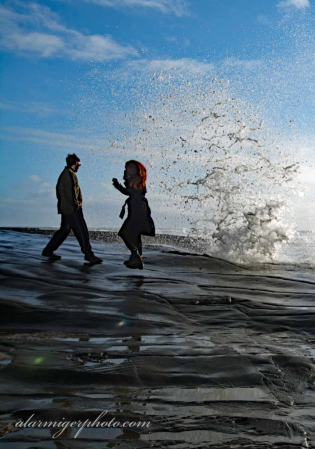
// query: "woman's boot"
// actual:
[[134, 261]]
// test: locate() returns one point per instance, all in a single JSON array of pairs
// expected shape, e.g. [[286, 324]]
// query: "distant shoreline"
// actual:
[[112, 236]]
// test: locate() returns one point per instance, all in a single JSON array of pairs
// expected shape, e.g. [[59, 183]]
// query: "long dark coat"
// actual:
[[139, 220]]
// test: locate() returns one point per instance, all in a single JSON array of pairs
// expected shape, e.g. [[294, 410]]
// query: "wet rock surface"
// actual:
[[212, 354]]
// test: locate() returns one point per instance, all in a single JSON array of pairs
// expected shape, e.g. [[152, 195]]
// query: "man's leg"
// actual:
[[86, 230], [59, 237], [78, 225], [81, 232]]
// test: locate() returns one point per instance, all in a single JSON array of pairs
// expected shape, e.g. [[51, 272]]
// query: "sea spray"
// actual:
[[224, 171], [217, 166]]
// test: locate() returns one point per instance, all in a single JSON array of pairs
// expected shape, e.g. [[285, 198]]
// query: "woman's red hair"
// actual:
[[139, 182]]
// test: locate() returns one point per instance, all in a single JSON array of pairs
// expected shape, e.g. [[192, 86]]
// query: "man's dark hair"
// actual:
[[71, 159]]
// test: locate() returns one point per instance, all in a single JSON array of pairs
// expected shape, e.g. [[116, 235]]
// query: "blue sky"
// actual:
[[71, 69]]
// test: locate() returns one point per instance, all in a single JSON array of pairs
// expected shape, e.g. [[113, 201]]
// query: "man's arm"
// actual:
[[66, 192], [77, 196]]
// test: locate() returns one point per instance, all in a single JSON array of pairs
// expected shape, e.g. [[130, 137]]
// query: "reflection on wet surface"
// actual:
[[221, 356], [214, 394]]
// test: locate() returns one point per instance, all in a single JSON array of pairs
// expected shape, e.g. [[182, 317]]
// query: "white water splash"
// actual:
[[215, 161], [219, 169]]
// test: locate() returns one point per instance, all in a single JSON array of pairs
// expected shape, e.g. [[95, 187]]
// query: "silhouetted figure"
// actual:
[[70, 207], [139, 221]]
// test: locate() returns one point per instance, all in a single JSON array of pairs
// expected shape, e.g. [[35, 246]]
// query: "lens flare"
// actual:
[[38, 360]]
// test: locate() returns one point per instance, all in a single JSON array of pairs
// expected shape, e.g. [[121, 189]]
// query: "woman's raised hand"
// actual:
[[115, 182]]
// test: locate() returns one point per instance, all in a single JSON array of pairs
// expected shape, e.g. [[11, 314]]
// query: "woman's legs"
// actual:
[[130, 234], [130, 243], [132, 240], [140, 245]]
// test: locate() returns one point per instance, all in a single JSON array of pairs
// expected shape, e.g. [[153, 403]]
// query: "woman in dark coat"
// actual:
[[139, 221]]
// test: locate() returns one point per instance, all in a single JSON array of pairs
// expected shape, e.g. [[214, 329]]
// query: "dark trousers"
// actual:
[[132, 240], [76, 223]]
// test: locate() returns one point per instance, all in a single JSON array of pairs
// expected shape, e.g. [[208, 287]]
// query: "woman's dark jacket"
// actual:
[[139, 213]]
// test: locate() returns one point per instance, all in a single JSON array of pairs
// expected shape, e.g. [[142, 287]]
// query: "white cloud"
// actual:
[[300, 4], [159, 66], [32, 107], [264, 19], [97, 145], [35, 178], [98, 48], [177, 7], [43, 44], [9, 107], [241, 63], [51, 139], [33, 29]]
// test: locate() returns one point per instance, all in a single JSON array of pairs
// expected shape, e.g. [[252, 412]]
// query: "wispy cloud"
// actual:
[[51, 139], [182, 41], [32, 29], [33, 107], [10, 107], [242, 63], [38, 188], [299, 4], [35, 178], [159, 66], [158, 69], [177, 7], [98, 146], [264, 19]]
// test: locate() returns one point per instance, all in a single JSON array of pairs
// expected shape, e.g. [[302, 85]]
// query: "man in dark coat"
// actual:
[[70, 207]]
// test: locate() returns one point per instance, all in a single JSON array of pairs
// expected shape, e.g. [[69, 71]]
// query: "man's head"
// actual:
[[73, 162]]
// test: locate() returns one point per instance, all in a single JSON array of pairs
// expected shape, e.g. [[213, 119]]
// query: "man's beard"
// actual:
[[76, 168]]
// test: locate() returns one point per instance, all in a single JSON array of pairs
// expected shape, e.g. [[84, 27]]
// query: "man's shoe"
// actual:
[[135, 261], [52, 256], [92, 259]]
